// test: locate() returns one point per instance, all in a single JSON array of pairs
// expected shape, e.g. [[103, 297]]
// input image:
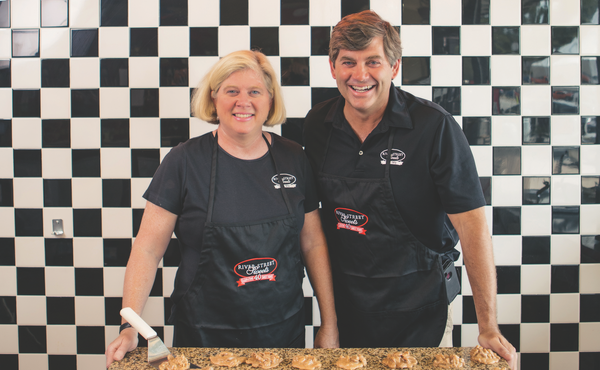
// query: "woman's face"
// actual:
[[243, 103]]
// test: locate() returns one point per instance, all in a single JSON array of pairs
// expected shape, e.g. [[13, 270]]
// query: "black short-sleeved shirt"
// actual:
[[432, 170], [245, 191]]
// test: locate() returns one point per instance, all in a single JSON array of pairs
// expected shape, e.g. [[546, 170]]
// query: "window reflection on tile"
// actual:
[[294, 72], [415, 11], [319, 40], [486, 187], [565, 100], [590, 10], [204, 41], [536, 130], [536, 190], [265, 39], [55, 13], [478, 130], [114, 72], [114, 133], [505, 40], [4, 14], [446, 40], [294, 11], [448, 98], [476, 70], [26, 43], [5, 78], [143, 42], [85, 103], [475, 11], [536, 250], [565, 40], [534, 11], [174, 72], [589, 70], [84, 43], [143, 102], [590, 190], [174, 131], [565, 160], [589, 130], [174, 12], [590, 250], [565, 220], [506, 100], [536, 70], [507, 220], [416, 71], [113, 13], [354, 6], [56, 133], [507, 160], [144, 162]]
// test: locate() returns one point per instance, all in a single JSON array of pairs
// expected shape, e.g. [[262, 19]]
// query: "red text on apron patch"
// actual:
[[351, 220], [255, 269]]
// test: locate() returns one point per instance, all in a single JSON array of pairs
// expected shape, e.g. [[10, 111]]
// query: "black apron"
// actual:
[[389, 287], [249, 278]]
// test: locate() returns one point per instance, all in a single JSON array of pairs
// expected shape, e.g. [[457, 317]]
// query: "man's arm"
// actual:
[[478, 256]]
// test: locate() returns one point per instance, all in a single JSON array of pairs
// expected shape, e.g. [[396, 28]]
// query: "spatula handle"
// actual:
[[138, 323]]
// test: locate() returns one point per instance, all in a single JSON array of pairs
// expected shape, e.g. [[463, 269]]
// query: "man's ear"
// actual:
[[395, 69], [332, 68]]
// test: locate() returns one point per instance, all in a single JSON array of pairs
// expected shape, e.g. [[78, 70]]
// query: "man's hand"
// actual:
[[125, 342], [327, 337], [497, 343]]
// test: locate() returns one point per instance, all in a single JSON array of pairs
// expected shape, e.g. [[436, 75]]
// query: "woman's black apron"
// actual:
[[389, 287], [249, 277]]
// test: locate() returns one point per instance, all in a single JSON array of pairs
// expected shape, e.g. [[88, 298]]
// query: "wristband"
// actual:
[[124, 326]]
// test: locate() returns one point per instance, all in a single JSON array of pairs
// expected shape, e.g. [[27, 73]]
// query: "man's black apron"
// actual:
[[249, 276], [389, 287]]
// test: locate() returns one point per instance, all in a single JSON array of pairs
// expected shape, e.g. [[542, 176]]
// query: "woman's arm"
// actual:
[[148, 249], [316, 257]]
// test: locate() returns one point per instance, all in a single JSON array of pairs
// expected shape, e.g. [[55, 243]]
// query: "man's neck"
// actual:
[[362, 123]]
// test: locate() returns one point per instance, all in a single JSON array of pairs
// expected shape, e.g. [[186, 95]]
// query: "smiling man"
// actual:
[[398, 188]]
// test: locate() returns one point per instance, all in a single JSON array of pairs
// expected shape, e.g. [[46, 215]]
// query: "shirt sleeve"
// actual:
[[166, 188]]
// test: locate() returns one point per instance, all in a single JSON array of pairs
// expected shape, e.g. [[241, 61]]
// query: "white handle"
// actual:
[[138, 323]]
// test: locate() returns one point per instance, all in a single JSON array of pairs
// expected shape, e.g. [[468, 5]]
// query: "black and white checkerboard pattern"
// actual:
[[93, 93]]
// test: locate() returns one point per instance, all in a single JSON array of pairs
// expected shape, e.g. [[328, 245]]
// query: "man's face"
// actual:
[[364, 78]]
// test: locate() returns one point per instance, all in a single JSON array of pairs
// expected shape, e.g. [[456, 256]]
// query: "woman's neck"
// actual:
[[248, 146]]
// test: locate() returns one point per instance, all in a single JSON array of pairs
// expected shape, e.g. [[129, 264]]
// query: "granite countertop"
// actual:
[[138, 358]]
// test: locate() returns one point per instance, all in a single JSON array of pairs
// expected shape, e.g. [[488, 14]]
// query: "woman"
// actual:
[[243, 206]]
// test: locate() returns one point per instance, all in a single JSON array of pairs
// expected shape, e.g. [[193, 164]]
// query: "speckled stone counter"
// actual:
[[138, 359]]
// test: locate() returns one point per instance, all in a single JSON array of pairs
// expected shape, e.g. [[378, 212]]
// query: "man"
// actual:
[[398, 184]]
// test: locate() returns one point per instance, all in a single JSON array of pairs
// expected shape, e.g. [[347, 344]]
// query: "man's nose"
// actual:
[[360, 73]]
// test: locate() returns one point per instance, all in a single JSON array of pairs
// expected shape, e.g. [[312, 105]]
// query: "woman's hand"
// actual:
[[125, 342], [327, 337]]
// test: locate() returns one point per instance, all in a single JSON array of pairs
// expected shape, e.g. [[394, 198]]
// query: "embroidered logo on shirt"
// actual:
[[351, 220], [255, 269], [288, 181], [397, 159]]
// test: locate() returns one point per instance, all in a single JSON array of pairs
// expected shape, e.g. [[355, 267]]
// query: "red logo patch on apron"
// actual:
[[255, 269], [351, 220]]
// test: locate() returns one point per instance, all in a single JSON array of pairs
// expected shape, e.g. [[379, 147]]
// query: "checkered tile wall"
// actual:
[[93, 93]]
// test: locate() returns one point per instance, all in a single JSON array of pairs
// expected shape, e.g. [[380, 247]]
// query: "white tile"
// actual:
[[589, 98], [469, 334], [165, 151], [232, 38], [446, 70], [113, 42], [564, 360], [85, 133], [275, 62], [507, 190], [56, 163], [199, 127], [84, 13], [564, 12], [588, 337], [294, 41], [92, 362], [54, 43], [25, 14], [483, 159], [589, 275], [297, 100], [8, 341], [113, 281], [27, 133], [31, 310], [589, 164], [535, 279], [445, 12], [390, 11], [536, 220], [565, 130], [535, 338], [114, 102], [201, 13], [589, 36], [115, 163], [565, 70], [476, 101], [536, 160], [264, 13], [509, 308], [476, 40], [117, 223], [55, 103], [168, 274], [86, 192], [88, 252], [457, 305], [154, 311], [324, 12], [28, 192], [505, 12], [144, 72], [26, 73], [58, 213], [416, 40], [85, 73], [5, 103], [138, 188], [423, 92], [316, 312], [5, 43], [320, 73], [507, 250], [565, 190], [589, 216], [55, 13], [564, 308], [536, 100], [62, 339], [144, 132], [173, 42], [198, 67], [506, 70], [89, 311], [506, 131], [7, 226], [33, 361], [308, 337], [60, 281], [535, 40], [174, 102], [29, 252], [145, 13]]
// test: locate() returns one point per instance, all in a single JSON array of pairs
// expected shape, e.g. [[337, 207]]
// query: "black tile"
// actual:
[[144, 162], [157, 287], [564, 337], [57, 193], [535, 361], [56, 133], [564, 279], [84, 43], [565, 220], [112, 307], [204, 41], [319, 40], [476, 70], [478, 130], [85, 103], [26, 103], [294, 12], [565, 40], [173, 12], [565, 160], [590, 69], [486, 187], [536, 190], [295, 72], [535, 308], [7, 251], [174, 131], [143, 102], [308, 311], [27, 162], [60, 310], [55, 13], [469, 314], [292, 129], [25, 43], [143, 42], [114, 72], [5, 133], [536, 130], [536, 250], [6, 193], [116, 192], [565, 99], [28, 222], [509, 279], [89, 281], [534, 11], [507, 160], [87, 222], [512, 332], [507, 221], [354, 6], [90, 340], [589, 130], [136, 220], [8, 310], [116, 252], [86, 162], [5, 14], [320, 94], [505, 40], [172, 256], [589, 308], [5, 75], [168, 306], [239, 17], [445, 40], [415, 11], [457, 336], [590, 190], [32, 339], [589, 360], [590, 249], [448, 98], [114, 133], [475, 11], [589, 12], [31, 281], [59, 252], [265, 39], [535, 70], [506, 100], [113, 13], [62, 362], [416, 71], [174, 72]]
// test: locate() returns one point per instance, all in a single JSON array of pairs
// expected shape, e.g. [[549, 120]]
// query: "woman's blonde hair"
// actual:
[[203, 106]]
